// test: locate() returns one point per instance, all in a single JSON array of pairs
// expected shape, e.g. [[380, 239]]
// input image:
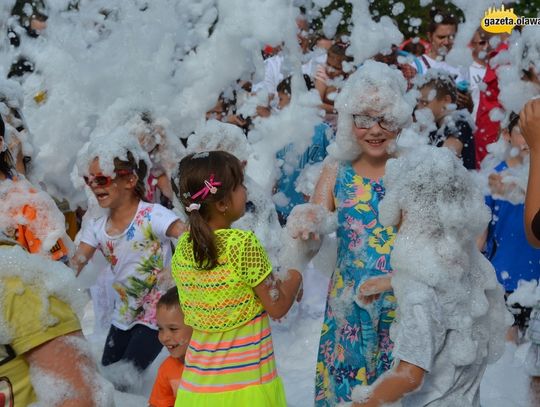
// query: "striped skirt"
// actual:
[[232, 368]]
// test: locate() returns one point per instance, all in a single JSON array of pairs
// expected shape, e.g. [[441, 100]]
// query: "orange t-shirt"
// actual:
[[166, 384]]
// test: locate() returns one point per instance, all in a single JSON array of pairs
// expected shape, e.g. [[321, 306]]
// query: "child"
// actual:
[[328, 75], [506, 233], [134, 237], [227, 290], [354, 345], [451, 316], [27, 214], [175, 335], [293, 162], [454, 128]]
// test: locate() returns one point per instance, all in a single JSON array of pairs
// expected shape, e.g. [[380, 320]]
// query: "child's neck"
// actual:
[[121, 216], [370, 167], [219, 221]]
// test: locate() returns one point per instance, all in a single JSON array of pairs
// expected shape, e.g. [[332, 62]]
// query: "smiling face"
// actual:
[[173, 333], [373, 136]]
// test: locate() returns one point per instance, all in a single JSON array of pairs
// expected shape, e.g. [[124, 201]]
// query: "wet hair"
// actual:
[[339, 49], [442, 19], [6, 160], [170, 299], [285, 85], [513, 121], [443, 86], [193, 171], [138, 168]]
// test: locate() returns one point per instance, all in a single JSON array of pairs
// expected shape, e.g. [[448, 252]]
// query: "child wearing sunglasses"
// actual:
[[135, 238], [355, 347]]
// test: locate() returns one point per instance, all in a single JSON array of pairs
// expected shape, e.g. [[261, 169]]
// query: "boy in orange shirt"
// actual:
[[175, 335]]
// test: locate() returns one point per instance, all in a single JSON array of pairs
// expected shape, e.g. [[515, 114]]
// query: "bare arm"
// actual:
[[393, 386], [454, 144], [65, 361], [277, 296], [324, 190], [81, 257], [176, 229], [529, 122]]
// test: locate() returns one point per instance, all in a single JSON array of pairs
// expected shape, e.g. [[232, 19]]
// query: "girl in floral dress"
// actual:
[[135, 238], [355, 347]]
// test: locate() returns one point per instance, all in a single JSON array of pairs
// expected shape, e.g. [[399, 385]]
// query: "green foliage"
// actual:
[[413, 10]]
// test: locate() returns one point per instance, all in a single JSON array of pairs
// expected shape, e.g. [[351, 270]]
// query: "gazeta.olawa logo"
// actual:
[[497, 21]]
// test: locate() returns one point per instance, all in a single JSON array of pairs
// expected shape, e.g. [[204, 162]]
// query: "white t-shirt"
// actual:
[[437, 64], [272, 75], [476, 77], [313, 60], [138, 259], [421, 340]]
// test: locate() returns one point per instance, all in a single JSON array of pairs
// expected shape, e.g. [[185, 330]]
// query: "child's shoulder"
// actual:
[[171, 367]]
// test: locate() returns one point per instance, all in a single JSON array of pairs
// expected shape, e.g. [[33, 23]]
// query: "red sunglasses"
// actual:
[[101, 180]]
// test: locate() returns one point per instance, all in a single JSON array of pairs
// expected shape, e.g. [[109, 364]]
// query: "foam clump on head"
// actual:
[[374, 89], [441, 212], [215, 135], [106, 147]]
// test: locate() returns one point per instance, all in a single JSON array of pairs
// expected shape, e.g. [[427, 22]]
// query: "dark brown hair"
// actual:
[[440, 18], [339, 49], [138, 169], [193, 171], [170, 299], [444, 86], [6, 160]]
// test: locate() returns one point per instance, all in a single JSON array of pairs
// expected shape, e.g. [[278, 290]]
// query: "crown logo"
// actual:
[[498, 21]]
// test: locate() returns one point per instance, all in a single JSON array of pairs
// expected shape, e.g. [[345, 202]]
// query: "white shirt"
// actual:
[[272, 75], [421, 340], [476, 77], [436, 64], [138, 259]]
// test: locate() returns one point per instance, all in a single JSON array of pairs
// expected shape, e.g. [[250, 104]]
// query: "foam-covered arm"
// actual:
[[389, 388]]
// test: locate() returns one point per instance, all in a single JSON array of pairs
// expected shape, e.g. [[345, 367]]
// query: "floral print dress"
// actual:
[[355, 347]]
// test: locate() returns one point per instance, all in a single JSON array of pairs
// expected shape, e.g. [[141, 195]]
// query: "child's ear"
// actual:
[[222, 205]]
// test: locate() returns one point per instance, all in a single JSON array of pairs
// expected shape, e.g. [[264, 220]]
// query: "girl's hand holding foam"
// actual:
[[308, 221]]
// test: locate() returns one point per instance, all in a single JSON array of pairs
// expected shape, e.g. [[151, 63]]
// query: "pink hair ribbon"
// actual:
[[209, 187]]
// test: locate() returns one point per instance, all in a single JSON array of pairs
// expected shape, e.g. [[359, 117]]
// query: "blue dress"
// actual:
[[355, 347]]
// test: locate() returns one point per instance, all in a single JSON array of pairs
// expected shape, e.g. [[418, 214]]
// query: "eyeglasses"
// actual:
[[101, 180], [362, 121]]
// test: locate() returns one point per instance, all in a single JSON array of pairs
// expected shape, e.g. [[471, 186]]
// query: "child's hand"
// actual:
[[371, 289], [529, 123], [498, 186], [308, 221]]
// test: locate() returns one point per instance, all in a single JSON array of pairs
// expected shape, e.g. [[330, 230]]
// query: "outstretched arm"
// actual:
[[277, 296], [529, 123], [394, 385], [81, 257]]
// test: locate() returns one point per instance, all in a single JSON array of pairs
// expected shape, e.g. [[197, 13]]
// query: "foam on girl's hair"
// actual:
[[377, 89], [106, 147]]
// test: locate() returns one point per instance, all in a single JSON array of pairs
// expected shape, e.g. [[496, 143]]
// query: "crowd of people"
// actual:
[[415, 167]]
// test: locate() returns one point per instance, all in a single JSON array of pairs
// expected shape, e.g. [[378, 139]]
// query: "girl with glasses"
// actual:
[[355, 347]]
